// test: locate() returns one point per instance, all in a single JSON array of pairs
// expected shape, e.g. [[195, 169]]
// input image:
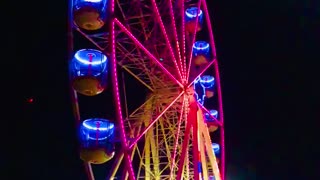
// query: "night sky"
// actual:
[[266, 51]]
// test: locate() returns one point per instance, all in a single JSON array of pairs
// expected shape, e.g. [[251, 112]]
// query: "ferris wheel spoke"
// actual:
[[190, 38], [214, 119], [136, 16], [180, 6], [155, 120], [124, 29], [166, 37], [141, 20], [137, 63], [196, 73], [176, 39], [179, 137], [164, 129], [184, 151]]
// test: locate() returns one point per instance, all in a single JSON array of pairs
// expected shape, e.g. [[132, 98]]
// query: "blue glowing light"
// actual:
[[89, 62], [90, 57], [213, 113], [207, 81], [201, 85], [201, 48], [199, 91], [99, 5], [96, 129], [192, 12], [201, 45], [216, 148], [97, 124]]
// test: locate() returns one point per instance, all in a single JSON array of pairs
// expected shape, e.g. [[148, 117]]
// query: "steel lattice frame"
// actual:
[[166, 136]]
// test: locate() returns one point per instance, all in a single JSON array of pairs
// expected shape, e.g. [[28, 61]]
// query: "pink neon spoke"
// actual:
[[166, 37], [184, 148], [190, 84], [196, 153], [117, 97], [176, 38], [193, 39], [177, 138], [183, 28], [155, 120], [145, 50], [206, 110]]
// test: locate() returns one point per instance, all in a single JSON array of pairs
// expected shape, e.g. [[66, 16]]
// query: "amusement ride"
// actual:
[[173, 126]]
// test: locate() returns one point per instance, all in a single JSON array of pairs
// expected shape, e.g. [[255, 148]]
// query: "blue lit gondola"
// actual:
[[191, 18], [201, 52], [96, 139], [88, 71], [208, 83], [89, 14], [212, 126]]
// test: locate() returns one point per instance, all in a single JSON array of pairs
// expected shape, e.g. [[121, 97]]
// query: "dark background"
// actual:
[[268, 62]]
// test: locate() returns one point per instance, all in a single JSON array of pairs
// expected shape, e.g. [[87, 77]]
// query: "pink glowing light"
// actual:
[[184, 150], [156, 10], [193, 40], [177, 137], [155, 120], [210, 115], [208, 65], [176, 40], [117, 96], [124, 29], [183, 28]]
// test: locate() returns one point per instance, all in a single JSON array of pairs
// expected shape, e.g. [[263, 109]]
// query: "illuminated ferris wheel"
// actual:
[[166, 46]]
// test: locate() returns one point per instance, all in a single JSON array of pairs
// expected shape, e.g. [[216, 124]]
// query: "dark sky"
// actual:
[[266, 51]]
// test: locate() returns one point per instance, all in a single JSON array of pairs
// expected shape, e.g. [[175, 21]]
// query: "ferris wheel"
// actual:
[[173, 126]]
